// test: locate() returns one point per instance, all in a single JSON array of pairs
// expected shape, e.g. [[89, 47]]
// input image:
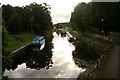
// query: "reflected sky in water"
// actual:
[[63, 65]]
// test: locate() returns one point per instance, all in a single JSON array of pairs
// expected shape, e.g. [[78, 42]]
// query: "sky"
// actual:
[[60, 9]]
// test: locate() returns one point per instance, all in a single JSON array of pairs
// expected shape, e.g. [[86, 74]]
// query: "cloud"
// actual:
[[60, 17]]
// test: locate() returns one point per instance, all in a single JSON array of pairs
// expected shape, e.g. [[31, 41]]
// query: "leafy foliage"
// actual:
[[4, 36], [5, 56], [96, 17], [15, 24], [32, 18]]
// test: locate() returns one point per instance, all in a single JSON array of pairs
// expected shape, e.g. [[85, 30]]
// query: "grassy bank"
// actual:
[[16, 41]]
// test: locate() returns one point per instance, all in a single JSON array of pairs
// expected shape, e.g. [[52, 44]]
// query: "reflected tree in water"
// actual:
[[33, 59], [84, 55], [39, 60]]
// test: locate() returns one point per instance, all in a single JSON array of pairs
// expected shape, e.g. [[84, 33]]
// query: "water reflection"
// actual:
[[33, 59], [38, 62], [62, 58], [58, 64]]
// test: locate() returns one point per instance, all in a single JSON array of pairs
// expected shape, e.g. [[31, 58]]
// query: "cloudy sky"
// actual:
[[60, 9]]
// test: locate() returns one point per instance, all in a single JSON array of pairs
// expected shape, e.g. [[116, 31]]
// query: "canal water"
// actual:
[[58, 64]]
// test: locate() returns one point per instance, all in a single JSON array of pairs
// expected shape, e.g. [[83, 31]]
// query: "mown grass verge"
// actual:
[[16, 41]]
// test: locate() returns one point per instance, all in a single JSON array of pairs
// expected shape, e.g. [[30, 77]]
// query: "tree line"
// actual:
[[31, 18], [96, 17]]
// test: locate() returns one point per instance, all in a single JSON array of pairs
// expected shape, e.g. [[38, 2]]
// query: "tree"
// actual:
[[14, 23], [4, 39], [34, 17], [6, 59], [7, 11], [96, 16], [81, 16], [31, 23]]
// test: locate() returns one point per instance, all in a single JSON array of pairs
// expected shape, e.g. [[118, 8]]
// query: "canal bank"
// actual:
[[16, 41], [17, 51]]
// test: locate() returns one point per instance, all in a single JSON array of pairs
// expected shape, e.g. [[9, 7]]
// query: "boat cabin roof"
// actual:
[[37, 38]]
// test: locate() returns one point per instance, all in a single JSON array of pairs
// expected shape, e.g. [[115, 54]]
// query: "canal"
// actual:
[[58, 64]]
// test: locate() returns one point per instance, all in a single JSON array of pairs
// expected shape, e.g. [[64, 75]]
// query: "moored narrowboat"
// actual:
[[37, 42]]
